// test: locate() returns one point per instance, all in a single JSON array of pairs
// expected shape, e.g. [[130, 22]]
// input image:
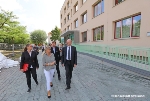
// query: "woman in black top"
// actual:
[[29, 57]]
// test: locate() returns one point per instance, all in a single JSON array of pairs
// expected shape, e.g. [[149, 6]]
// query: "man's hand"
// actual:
[[75, 65], [21, 70], [37, 68], [62, 65]]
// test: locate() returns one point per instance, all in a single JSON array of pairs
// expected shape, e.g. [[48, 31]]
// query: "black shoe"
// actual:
[[67, 88], [29, 90], [59, 78], [49, 96], [51, 85], [37, 83]]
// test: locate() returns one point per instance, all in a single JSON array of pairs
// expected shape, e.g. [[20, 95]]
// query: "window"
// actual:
[[118, 30], [84, 36], [83, 1], [84, 18], [68, 4], [99, 8], [65, 21], [64, 30], [98, 33], [61, 24], [68, 16], [126, 25], [68, 27], [64, 10], [129, 27], [76, 7], [118, 1], [76, 23], [136, 22], [61, 16]]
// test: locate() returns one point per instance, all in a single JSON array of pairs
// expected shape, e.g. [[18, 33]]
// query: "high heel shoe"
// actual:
[[49, 96], [51, 85]]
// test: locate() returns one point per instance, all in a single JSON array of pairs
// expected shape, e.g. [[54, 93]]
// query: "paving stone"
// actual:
[[93, 80]]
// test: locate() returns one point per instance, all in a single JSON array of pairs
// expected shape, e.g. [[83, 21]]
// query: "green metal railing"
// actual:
[[134, 56]]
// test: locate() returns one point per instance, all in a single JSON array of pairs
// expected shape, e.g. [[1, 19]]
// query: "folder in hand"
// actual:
[[25, 67]]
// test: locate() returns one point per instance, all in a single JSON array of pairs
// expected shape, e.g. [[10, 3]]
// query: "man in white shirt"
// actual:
[[69, 60]]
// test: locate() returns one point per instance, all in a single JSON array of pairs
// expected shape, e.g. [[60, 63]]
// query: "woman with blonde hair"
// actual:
[[48, 65]]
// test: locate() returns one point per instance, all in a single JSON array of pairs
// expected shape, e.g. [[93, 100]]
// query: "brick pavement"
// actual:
[[93, 80]]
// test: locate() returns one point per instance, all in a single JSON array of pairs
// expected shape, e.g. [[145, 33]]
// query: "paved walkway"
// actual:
[[93, 80]]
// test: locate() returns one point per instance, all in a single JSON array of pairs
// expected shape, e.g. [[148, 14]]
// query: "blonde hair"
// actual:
[[47, 47]]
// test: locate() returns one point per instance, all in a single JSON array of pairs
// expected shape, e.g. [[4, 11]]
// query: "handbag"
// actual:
[[25, 67]]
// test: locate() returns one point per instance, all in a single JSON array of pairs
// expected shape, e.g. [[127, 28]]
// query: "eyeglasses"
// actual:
[[31, 46]]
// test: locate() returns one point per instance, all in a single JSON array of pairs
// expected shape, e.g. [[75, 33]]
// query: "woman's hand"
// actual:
[[52, 64], [46, 64], [22, 70]]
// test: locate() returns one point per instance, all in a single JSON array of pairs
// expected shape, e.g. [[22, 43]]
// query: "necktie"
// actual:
[[69, 53]]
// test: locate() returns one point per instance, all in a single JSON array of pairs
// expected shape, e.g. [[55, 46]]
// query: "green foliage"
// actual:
[[55, 34], [10, 29], [38, 36]]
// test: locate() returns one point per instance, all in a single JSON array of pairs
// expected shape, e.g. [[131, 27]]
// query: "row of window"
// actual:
[[125, 28], [98, 9], [75, 7]]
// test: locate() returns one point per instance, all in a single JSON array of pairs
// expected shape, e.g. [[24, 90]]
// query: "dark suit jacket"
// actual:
[[25, 58], [36, 49], [56, 54], [73, 55]]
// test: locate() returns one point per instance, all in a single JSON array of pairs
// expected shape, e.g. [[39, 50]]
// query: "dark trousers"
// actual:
[[28, 76], [57, 68], [69, 69]]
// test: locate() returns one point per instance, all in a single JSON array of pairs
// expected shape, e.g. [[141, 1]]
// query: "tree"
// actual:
[[38, 36], [7, 18], [10, 29], [55, 34]]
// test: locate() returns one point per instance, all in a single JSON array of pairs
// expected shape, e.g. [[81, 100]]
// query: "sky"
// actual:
[[35, 14]]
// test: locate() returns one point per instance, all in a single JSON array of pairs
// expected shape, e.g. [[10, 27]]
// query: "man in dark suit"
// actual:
[[69, 60], [36, 49], [56, 52]]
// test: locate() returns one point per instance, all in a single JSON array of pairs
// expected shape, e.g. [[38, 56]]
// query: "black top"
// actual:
[[31, 60], [73, 55], [56, 53]]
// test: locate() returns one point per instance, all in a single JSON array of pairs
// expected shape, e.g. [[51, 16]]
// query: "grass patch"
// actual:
[[17, 54]]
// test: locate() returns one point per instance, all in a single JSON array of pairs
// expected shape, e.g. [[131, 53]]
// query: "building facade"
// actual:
[[106, 22]]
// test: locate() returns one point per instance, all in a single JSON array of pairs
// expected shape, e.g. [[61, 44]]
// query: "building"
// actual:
[[107, 22], [49, 40]]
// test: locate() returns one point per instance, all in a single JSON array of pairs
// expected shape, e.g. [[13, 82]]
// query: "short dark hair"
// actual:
[[54, 42]]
